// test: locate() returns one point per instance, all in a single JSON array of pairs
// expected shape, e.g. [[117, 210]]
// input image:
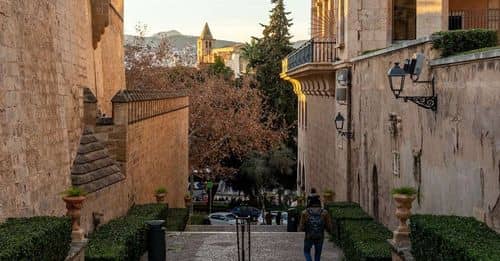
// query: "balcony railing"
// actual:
[[472, 19], [313, 51]]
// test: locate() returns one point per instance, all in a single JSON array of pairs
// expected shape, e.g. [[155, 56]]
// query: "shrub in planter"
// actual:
[[36, 238], [124, 238], [452, 238], [454, 42]]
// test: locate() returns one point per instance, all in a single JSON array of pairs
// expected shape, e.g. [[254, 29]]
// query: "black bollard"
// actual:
[[156, 240]]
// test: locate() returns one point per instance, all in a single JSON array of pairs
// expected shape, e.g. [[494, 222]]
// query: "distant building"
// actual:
[[231, 55]]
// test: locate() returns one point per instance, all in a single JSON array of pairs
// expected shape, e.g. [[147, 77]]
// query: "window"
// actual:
[[404, 20]]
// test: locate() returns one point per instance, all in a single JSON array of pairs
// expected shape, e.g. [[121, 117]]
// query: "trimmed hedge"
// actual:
[[216, 207], [341, 211], [177, 219], [361, 237], [124, 238], [36, 238], [452, 238], [458, 41], [365, 240]]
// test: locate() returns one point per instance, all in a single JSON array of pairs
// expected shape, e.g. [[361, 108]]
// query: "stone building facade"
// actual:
[[449, 155], [64, 122]]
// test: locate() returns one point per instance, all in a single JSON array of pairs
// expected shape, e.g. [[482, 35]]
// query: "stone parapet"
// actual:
[[131, 106]]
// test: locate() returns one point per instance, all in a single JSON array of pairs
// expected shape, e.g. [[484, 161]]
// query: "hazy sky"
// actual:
[[228, 19]]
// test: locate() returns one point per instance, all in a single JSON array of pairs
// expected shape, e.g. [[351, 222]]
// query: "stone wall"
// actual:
[[157, 152], [450, 155], [45, 56]]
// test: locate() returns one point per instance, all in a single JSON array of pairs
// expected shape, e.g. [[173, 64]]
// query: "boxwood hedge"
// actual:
[[365, 240], [458, 41], [361, 237], [124, 238], [177, 219], [452, 238], [36, 238]]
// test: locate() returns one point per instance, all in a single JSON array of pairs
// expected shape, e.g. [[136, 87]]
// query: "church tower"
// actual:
[[204, 46]]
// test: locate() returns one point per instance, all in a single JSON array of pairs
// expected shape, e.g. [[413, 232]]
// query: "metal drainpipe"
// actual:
[[349, 141]]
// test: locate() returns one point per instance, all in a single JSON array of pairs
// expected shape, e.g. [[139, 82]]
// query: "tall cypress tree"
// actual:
[[266, 59]]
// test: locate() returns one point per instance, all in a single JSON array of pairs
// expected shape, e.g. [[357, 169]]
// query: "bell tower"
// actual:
[[204, 46]]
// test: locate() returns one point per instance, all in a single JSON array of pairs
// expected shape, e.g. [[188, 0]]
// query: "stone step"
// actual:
[[229, 228]]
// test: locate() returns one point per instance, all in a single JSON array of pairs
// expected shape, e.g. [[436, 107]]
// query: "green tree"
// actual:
[[265, 55], [220, 68]]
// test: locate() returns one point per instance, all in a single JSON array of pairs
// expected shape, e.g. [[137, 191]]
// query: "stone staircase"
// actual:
[[232, 228]]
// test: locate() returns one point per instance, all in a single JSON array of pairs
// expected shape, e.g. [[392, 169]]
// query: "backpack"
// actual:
[[315, 226]]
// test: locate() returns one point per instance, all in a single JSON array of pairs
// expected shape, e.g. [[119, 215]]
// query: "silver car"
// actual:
[[222, 218]]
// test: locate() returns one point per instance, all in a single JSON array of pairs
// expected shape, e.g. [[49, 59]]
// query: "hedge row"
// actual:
[[361, 237], [124, 238], [216, 207], [36, 238], [341, 211], [177, 219], [452, 238], [458, 41], [365, 240]]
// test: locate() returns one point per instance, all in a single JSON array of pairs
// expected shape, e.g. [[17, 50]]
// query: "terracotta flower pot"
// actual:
[[328, 197], [187, 201], [74, 206], [160, 197], [403, 213]]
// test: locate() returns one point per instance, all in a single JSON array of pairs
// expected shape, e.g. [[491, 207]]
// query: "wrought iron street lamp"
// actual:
[[413, 67], [396, 79], [339, 125]]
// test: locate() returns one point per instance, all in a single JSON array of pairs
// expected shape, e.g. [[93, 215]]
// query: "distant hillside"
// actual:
[[178, 40], [183, 46]]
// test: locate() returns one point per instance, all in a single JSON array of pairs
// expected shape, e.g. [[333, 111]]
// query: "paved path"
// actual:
[[221, 246]]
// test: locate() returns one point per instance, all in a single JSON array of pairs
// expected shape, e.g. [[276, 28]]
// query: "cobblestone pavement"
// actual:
[[221, 246]]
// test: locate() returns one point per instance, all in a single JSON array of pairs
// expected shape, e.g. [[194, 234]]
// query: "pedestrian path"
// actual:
[[221, 246]]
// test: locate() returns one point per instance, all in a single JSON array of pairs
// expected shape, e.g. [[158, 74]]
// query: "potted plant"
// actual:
[[74, 198], [187, 199], [328, 195], [160, 194], [300, 200], [404, 197]]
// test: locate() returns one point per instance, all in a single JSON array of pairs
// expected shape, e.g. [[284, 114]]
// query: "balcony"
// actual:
[[311, 52], [472, 19]]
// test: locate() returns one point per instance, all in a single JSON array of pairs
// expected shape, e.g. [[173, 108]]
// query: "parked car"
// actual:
[[253, 212], [222, 218]]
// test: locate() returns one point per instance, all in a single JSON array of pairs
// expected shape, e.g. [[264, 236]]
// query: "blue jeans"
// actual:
[[318, 247]]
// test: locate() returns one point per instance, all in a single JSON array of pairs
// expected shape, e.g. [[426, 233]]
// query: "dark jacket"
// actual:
[[325, 216]]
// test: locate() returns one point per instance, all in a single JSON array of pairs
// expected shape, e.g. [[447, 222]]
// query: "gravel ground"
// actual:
[[221, 246]]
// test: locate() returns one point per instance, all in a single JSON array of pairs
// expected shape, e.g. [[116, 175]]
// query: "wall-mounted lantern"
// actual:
[[343, 82], [413, 67], [339, 125]]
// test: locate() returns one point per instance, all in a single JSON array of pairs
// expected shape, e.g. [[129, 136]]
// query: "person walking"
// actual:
[[312, 197], [314, 221]]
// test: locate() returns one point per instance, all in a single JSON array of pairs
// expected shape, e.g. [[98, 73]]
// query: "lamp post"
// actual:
[[209, 186], [339, 125], [413, 67], [191, 208]]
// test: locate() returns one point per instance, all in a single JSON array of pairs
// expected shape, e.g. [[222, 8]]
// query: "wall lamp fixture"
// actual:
[[413, 67], [339, 124]]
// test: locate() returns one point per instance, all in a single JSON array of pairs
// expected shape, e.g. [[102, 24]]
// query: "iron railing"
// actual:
[[472, 19], [313, 51]]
